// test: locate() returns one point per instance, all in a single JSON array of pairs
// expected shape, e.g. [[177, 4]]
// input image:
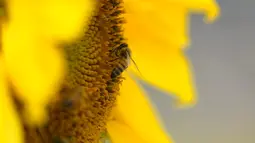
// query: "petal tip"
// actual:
[[186, 103], [212, 14]]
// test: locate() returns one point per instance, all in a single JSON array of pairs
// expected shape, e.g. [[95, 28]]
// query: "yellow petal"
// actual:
[[156, 31], [11, 129], [135, 110], [168, 69], [64, 19], [121, 133], [164, 20], [34, 62], [35, 68], [53, 19], [209, 7]]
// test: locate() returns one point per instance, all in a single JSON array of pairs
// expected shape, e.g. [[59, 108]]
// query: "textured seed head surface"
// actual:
[[84, 104]]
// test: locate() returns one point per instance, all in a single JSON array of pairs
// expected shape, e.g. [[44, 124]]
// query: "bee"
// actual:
[[123, 54]]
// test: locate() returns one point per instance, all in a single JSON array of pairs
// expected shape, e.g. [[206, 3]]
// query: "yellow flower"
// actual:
[[157, 34], [30, 58], [33, 64]]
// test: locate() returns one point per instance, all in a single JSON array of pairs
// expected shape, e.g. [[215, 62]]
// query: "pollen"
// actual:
[[84, 104]]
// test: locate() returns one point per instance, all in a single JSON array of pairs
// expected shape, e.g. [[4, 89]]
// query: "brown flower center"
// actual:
[[95, 62]]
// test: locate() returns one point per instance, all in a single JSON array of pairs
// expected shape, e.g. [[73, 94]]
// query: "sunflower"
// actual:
[[91, 101]]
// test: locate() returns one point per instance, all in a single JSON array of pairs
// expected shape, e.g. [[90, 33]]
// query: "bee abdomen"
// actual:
[[118, 70]]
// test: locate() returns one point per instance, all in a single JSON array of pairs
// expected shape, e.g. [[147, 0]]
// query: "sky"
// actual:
[[223, 58]]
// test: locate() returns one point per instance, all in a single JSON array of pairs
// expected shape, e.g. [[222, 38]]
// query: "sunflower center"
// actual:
[[89, 92]]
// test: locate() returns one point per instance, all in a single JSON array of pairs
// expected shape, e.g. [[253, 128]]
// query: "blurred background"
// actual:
[[223, 57]]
